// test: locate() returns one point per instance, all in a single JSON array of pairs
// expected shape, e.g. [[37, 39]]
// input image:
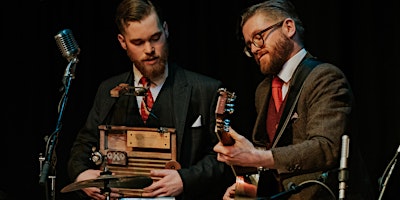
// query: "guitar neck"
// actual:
[[223, 109], [225, 138]]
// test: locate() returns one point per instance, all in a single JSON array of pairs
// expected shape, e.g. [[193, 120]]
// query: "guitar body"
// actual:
[[250, 182]]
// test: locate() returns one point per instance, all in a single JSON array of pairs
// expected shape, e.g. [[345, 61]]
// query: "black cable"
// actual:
[[387, 173]]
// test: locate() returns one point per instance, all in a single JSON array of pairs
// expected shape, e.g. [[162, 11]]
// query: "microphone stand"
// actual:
[[46, 160]]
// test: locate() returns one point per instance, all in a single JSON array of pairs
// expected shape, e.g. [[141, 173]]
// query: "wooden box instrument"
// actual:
[[134, 151]]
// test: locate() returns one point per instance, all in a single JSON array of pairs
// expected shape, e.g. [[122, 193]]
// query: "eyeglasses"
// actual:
[[258, 40]]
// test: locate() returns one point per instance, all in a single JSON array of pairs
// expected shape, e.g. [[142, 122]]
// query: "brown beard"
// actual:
[[156, 70], [283, 48]]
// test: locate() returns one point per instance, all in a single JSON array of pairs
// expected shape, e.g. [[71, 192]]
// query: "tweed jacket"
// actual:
[[311, 141]]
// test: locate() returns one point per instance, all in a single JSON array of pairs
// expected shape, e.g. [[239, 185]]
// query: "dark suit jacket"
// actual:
[[190, 95], [311, 143]]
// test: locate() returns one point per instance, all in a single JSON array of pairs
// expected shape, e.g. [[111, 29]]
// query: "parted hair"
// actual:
[[274, 10], [135, 10]]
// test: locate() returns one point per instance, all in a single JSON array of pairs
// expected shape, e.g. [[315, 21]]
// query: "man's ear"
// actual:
[[165, 26], [121, 40], [289, 27]]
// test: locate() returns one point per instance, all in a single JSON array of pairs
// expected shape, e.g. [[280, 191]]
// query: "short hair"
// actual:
[[135, 10], [273, 9]]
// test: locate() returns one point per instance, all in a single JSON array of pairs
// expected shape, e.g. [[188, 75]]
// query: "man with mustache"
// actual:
[[299, 138], [182, 99]]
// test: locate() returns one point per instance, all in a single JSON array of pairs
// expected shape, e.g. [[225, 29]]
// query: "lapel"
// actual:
[[262, 99], [263, 92], [301, 73], [181, 99]]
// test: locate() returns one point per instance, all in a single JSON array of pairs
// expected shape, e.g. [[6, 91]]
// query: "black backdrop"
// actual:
[[358, 36]]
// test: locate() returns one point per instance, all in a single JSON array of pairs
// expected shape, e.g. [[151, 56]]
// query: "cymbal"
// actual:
[[113, 181]]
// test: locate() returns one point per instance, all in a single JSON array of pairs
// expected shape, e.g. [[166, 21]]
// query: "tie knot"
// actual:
[[277, 82], [144, 81]]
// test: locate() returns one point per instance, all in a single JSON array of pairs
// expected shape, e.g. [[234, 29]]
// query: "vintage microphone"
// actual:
[[67, 44], [70, 50]]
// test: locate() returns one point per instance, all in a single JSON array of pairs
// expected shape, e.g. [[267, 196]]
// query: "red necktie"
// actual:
[[148, 101], [277, 92]]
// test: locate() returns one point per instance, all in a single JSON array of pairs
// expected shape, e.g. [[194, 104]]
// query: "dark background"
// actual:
[[359, 37]]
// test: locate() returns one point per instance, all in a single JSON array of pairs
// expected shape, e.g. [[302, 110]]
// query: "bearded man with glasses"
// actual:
[[299, 142]]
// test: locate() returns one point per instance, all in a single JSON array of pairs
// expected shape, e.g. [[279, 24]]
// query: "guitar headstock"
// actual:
[[224, 108]]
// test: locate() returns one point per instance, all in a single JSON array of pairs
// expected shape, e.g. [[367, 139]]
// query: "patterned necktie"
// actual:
[[277, 92], [148, 101]]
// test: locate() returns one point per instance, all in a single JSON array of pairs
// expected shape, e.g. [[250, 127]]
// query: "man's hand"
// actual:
[[94, 192], [243, 153], [238, 153], [169, 185], [230, 193]]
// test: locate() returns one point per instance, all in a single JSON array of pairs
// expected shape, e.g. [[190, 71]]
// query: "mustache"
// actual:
[[149, 58]]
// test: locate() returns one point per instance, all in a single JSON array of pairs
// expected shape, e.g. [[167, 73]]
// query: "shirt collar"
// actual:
[[290, 66]]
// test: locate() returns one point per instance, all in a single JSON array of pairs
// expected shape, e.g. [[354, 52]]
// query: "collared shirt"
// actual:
[[155, 86], [288, 69]]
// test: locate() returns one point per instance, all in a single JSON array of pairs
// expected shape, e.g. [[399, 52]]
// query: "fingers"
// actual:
[[159, 172], [222, 157], [98, 194], [234, 134], [219, 147], [170, 184], [94, 193], [229, 193], [155, 190]]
